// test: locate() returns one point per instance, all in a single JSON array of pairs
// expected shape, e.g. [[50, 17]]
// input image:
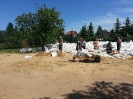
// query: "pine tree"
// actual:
[[127, 26], [100, 33], [83, 32], [117, 27], [90, 32]]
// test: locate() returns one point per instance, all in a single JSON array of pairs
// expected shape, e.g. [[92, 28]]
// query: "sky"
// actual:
[[75, 13]]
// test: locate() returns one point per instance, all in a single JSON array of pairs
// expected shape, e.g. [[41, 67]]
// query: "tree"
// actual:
[[8, 37], [100, 32], [128, 37], [1, 36], [113, 35], [127, 27], [83, 32], [117, 26], [91, 31], [45, 25], [11, 37], [9, 27], [70, 38], [132, 30]]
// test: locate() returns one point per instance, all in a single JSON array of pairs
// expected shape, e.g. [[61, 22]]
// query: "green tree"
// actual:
[[83, 32], [70, 38], [132, 30], [45, 25], [100, 33], [128, 37], [113, 35], [2, 39], [90, 32], [1, 36], [27, 26], [8, 35], [117, 27], [127, 25], [11, 37], [127, 29], [9, 27]]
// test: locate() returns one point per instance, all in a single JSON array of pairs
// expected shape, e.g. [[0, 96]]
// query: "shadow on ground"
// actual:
[[103, 90], [84, 61], [45, 98]]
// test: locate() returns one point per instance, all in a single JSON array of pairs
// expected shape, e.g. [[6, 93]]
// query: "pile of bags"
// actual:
[[126, 49]]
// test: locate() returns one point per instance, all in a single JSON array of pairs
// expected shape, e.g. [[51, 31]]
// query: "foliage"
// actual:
[[91, 32], [112, 35], [128, 37], [100, 33], [117, 26], [45, 25], [127, 25], [9, 28], [70, 38], [83, 32], [11, 37], [1, 36]]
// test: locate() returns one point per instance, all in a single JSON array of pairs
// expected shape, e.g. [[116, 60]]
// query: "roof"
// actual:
[[74, 33]]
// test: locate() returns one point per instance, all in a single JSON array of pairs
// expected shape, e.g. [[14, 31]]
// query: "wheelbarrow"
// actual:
[[85, 57]]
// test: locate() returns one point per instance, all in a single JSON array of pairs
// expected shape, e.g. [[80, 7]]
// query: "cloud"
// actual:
[[106, 22], [123, 13], [121, 10]]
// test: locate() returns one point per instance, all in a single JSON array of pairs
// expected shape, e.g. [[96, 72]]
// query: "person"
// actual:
[[79, 49], [95, 43], [83, 43], [109, 47], [119, 41], [60, 43]]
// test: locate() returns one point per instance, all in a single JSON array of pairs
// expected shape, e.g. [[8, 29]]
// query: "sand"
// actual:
[[45, 77]]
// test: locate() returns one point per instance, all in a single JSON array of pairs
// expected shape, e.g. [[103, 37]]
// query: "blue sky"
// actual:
[[75, 13]]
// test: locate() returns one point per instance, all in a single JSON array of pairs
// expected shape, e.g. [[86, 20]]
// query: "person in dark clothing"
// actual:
[[79, 47], [83, 43], [119, 41], [79, 50], [60, 43], [109, 47]]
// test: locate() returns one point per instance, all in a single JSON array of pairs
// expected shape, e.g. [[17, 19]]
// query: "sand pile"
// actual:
[[59, 54], [46, 77], [43, 53]]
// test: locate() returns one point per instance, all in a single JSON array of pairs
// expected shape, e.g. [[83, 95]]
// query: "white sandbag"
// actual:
[[28, 56], [131, 53], [47, 51], [23, 50], [54, 54], [29, 49]]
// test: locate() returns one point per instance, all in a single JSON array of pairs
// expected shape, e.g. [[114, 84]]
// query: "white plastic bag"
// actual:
[[54, 54]]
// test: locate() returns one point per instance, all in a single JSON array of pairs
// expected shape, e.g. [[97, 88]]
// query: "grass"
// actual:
[[2, 51]]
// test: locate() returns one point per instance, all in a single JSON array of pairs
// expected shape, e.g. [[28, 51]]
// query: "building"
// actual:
[[73, 33]]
